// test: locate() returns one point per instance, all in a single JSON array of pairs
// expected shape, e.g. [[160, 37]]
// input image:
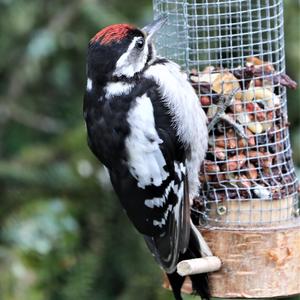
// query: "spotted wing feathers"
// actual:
[[168, 246]]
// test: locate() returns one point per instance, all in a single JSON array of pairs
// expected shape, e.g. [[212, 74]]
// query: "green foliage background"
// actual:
[[63, 235]]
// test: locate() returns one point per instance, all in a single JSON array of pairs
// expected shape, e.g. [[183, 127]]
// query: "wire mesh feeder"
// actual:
[[233, 52]]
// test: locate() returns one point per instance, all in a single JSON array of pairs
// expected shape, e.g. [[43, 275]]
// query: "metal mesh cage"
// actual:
[[233, 51]]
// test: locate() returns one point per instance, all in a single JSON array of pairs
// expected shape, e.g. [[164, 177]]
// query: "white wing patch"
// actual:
[[164, 219], [145, 159], [117, 89], [89, 85], [178, 190], [158, 202], [179, 193], [179, 169]]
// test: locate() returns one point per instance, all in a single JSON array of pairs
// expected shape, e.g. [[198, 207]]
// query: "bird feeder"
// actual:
[[248, 210]]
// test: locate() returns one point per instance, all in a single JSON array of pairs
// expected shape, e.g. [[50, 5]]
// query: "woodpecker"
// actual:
[[145, 124]]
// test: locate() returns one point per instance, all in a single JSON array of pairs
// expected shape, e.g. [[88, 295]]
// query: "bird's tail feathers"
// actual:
[[199, 281]]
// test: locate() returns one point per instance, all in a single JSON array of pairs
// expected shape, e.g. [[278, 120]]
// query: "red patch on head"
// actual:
[[112, 33]]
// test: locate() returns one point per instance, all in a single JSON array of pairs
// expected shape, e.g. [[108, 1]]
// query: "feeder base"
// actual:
[[260, 263]]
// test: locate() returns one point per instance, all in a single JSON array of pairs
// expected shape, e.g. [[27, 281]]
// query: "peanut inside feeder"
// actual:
[[248, 166]]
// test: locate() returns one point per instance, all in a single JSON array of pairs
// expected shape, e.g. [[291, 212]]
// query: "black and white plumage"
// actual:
[[145, 124]]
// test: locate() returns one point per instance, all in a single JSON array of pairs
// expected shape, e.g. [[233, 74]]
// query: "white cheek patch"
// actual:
[[131, 61], [117, 89], [145, 159], [89, 85]]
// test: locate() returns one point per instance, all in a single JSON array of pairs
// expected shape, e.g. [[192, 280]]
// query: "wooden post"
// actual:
[[258, 261], [255, 263]]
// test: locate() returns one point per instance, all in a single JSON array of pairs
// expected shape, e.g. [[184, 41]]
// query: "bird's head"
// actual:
[[121, 50]]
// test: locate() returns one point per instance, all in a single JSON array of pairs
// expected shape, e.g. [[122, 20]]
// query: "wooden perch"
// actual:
[[208, 262], [199, 265]]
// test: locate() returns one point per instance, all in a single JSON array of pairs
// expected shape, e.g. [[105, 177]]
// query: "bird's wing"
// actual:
[[153, 185], [167, 247]]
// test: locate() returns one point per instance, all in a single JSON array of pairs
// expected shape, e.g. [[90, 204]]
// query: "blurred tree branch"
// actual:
[[30, 119]]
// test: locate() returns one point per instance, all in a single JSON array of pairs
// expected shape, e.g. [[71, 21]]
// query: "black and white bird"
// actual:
[[145, 124]]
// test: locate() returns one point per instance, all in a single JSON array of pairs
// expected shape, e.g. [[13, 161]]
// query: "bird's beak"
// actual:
[[153, 27]]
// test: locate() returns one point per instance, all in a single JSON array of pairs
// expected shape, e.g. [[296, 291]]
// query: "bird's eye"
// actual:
[[140, 43]]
